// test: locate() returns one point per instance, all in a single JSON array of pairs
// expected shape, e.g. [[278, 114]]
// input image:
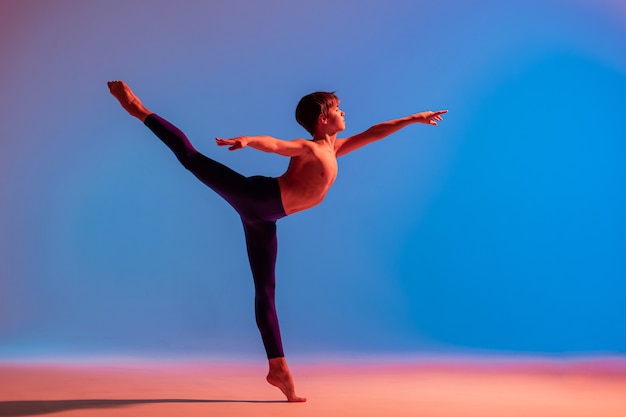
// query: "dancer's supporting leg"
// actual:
[[262, 247]]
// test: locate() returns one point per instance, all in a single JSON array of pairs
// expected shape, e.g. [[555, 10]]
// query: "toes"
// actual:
[[295, 399]]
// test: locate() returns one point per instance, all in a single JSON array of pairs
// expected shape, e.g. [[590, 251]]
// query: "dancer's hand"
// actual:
[[430, 117], [239, 142]]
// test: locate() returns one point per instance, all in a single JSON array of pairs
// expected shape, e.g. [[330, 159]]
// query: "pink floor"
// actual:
[[411, 388]]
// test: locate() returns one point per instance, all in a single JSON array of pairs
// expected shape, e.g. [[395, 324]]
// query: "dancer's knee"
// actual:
[[189, 159]]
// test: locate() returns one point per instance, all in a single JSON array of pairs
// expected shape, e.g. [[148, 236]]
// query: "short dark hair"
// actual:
[[311, 106]]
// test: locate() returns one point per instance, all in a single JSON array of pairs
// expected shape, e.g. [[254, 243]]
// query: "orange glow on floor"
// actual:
[[429, 389]]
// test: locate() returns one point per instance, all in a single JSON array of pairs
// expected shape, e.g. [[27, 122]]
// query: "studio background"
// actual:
[[500, 231]]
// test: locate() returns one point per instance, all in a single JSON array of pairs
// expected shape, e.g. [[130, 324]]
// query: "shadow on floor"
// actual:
[[31, 408]]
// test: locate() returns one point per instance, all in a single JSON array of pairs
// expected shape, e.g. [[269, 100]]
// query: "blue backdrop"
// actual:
[[501, 230]]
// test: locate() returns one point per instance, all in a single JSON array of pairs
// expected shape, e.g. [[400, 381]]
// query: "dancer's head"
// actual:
[[313, 107]]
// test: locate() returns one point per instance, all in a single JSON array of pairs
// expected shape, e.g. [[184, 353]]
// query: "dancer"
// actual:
[[261, 201]]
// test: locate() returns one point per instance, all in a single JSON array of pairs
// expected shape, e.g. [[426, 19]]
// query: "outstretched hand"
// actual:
[[430, 117], [239, 142]]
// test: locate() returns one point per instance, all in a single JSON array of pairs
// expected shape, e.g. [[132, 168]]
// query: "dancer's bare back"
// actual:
[[308, 177], [311, 171]]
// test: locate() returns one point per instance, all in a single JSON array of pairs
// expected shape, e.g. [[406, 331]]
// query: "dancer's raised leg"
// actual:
[[223, 180], [129, 101]]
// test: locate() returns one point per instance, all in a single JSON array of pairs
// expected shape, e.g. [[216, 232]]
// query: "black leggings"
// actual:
[[258, 202]]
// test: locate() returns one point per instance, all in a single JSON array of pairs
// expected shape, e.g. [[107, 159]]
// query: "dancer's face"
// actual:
[[335, 119]]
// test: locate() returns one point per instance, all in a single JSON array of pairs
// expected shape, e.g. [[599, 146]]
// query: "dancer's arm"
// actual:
[[267, 144], [384, 129]]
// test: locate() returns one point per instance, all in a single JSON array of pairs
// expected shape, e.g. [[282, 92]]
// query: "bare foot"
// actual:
[[280, 377], [129, 101]]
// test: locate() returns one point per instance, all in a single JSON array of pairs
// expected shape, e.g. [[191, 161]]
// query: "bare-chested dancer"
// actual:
[[261, 201]]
